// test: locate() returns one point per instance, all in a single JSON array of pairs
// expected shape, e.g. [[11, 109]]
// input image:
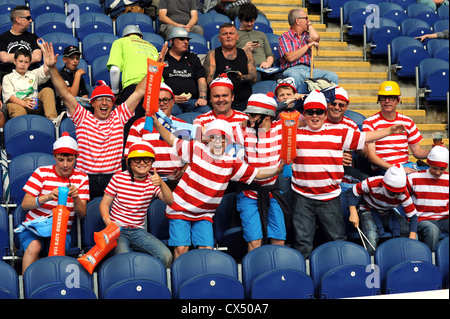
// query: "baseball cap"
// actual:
[[71, 49]]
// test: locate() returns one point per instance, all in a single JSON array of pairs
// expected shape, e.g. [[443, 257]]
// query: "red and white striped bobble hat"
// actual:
[[438, 156]]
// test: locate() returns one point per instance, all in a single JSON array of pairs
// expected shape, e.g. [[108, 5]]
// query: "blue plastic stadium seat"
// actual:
[[91, 223], [60, 41], [158, 224], [205, 274], [96, 45], [405, 265], [52, 22], [94, 23], [155, 39], [406, 54], [442, 252], [264, 87], [29, 133], [414, 27], [144, 22], [276, 272], [38, 7], [133, 275], [338, 269], [9, 282], [99, 70], [58, 277], [83, 6], [433, 77]]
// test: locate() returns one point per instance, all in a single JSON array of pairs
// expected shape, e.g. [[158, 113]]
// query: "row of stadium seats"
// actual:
[[337, 269]]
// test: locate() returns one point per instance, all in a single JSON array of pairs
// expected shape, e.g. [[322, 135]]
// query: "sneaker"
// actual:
[[57, 121]]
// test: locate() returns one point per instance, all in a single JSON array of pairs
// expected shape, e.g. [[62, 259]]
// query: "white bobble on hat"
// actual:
[[222, 80], [315, 100], [65, 144], [167, 88], [438, 156], [395, 179], [341, 94]]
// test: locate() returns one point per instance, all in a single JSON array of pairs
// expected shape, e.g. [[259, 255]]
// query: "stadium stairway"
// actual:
[[361, 79]]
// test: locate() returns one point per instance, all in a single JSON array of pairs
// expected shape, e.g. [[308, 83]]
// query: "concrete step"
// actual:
[[345, 76], [279, 9], [369, 112], [282, 17], [284, 3], [338, 54]]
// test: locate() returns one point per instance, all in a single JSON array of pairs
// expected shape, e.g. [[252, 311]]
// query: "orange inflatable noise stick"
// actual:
[[289, 135], [151, 96], [104, 237], [95, 255], [59, 228]]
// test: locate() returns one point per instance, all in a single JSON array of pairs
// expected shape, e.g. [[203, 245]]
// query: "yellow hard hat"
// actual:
[[389, 88], [141, 149]]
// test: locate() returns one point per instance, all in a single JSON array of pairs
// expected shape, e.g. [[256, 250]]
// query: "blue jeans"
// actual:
[[306, 211], [189, 106], [370, 229], [138, 239], [429, 231], [301, 72]]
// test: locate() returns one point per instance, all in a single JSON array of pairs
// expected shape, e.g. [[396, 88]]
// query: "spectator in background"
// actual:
[[20, 88], [128, 56], [295, 47], [231, 7], [255, 41], [100, 134], [185, 74], [237, 63], [392, 149], [437, 35], [178, 13], [2, 112], [429, 191], [16, 38]]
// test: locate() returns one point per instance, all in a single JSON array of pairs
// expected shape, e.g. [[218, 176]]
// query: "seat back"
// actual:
[[157, 223], [91, 223], [94, 23], [97, 44], [358, 118], [68, 126], [52, 22], [60, 41], [415, 27], [57, 277], [4, 233], [155, 39], [99, 70], [264, 259], [335, 254], [205, 273], [144, 22], [29, 133], [435, 44], [264, 87], [9, 282], [442, 251], [346, 282], [133, 275], [412, 276], [415, 9], [20, 170], [441, 25], [397, 250], [400, 43], [38, 7]]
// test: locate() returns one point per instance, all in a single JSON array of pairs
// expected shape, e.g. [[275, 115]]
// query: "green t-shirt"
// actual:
[[260, 54], [130, 55]]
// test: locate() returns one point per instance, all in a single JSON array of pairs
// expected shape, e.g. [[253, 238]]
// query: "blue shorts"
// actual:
[[251, 221], [26, 237], [184, 232]]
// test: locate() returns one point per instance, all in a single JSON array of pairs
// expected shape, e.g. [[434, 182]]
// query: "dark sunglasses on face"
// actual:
[[311, 112], [27, 17], [138, 160], [341, 105], [391, 98]]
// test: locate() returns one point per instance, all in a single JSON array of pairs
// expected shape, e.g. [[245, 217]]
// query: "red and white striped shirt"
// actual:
[[44, 180], [165, 163], [346, 122], [318, 167], [131, 199], [100, 143], [374, 196], [200, 190], [393, 148], [430, 195], [262, 152]]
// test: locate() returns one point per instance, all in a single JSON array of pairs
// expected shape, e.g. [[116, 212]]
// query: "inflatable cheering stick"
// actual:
[[289, 139], [94, 256], [59, 228], [107, 235], [151, 97]]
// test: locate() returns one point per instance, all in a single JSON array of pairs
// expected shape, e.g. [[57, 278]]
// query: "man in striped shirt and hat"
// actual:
[[99, 134]]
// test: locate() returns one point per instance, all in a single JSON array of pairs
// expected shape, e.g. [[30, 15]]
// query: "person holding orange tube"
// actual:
[[41, 196]]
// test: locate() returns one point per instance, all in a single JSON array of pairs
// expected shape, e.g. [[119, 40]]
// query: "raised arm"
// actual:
[[59, 84]]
